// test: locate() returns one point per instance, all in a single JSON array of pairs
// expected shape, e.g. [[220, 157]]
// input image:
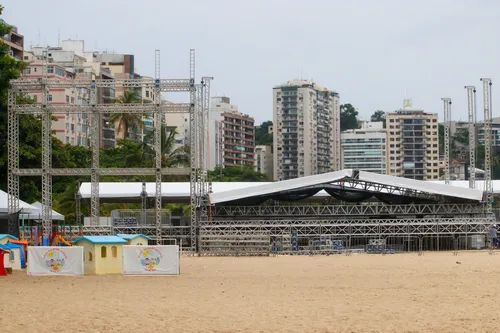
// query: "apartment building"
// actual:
[[264, 160], [15, 42], [306, 123], [231, 135], [412, 143], [70, 128], [495, 133], [84, 65], [365, 148]]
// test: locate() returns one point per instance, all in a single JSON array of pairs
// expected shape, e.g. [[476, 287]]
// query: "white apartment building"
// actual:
[[264, 160], [231, 135], [364, 148], [412, 143], [306, 123]]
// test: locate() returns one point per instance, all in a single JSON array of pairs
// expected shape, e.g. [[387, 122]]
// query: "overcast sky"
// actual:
[[373, 53]]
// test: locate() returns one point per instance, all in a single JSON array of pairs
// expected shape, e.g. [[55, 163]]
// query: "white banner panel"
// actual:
[[55, 260], [151, 260]]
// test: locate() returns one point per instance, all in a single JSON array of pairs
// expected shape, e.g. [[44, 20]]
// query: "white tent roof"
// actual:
[[55, 215], [331, 177], [24, 206]]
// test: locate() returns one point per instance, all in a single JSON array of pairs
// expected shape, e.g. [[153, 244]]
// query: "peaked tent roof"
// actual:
[[25, 207], [359, 181], [55, 215], [101, 240], [132, 236]]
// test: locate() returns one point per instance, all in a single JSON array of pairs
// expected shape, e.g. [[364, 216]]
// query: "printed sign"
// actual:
[[55, 260], [151, 260]]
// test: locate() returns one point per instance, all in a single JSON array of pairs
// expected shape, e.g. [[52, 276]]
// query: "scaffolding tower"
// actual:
[[488, 187], [94, 111], [447, 123], [472, 112]]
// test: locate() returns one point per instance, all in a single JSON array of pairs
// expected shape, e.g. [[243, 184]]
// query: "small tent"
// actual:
[[55, 215]]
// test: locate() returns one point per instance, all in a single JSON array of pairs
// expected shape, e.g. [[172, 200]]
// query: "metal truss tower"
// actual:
[[94, 112], [447, 123], [487, 141], [472, 112]]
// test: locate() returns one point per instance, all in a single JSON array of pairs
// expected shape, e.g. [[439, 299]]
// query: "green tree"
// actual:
[[238, 174], [378, 115], [262, 135], [348, 117], [171, 156], [127, 120]]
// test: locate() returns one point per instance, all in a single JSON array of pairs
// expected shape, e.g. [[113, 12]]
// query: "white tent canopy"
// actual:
[[55, 215], [25, 207]]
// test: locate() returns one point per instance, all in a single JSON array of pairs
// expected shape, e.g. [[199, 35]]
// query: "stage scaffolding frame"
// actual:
[[94, 111]]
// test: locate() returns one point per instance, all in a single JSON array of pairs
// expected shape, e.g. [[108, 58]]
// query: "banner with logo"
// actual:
[[55, 260], [151, 260]]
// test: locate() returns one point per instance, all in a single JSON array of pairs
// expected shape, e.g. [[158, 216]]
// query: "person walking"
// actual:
[[494, 236]]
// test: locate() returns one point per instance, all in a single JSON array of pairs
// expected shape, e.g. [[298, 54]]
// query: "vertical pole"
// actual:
[[158, 151], [46, 157], [487, 142], [94, 177], [193, 145], [78, 198], [13, 148], [471, 107], [144, 202], [447, 120]]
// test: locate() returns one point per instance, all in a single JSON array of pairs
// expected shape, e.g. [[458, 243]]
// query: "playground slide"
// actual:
[[62, 240]]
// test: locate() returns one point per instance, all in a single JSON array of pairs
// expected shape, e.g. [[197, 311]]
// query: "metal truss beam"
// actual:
[[13, 150], [488, 187], [173, 85], [34, 109], [95, 121], [348, 210], [193, 149], [101, 171], [46, 157], [447, 123], [157, 147], [472, 115]]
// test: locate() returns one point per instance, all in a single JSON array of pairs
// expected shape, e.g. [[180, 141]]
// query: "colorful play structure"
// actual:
[[86, 255], [33, 235]]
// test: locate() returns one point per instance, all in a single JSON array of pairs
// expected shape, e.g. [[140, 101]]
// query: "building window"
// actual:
[[49, 98], [28, 70], [114, 251], [90, 256], [103, 252], [67, 99], [50, 69]]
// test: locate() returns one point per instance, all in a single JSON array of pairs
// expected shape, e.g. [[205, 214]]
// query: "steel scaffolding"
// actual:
[[471, 107], [94, 112], [447, 123], [488, 187]]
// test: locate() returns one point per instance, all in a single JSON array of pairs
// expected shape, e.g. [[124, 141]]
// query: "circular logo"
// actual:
[[150, 259], [55, 259]]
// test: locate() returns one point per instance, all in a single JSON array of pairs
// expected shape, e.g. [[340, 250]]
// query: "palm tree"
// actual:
[[171, 156], [127, 120]]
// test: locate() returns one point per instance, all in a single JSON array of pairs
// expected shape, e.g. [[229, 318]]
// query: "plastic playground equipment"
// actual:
[[62, 237]]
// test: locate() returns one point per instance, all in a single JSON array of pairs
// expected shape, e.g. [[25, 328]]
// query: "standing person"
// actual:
[[494, 236]]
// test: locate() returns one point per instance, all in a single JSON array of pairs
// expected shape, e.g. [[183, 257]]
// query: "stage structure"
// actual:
[[198, 116]]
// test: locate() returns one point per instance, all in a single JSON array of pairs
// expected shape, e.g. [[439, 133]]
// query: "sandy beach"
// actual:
[[437, 292]]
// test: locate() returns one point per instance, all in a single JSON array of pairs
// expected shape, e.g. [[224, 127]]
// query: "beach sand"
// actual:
[[436, 292]]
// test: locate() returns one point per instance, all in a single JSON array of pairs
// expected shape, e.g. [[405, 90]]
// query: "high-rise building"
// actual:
[[412, 143], [495, 132], [264, 160], [15, 42], [306, 125], [231, 135], [364, 148]]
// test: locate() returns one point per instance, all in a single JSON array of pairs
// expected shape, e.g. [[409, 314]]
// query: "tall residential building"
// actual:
[[364, 148], [264, 160], [70, 128], [412, 143], [495, 132], [84, 65], [231, 135], [15, 41], [306, 125]]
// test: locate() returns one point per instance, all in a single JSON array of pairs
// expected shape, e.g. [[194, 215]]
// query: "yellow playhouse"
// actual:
[[4, 238], [135, 239], [102, 254]]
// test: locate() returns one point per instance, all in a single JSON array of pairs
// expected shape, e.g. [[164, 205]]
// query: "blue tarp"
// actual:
[[9, 246]]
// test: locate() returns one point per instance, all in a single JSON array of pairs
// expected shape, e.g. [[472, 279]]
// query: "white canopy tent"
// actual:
[[55, 215], [29, 211]]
